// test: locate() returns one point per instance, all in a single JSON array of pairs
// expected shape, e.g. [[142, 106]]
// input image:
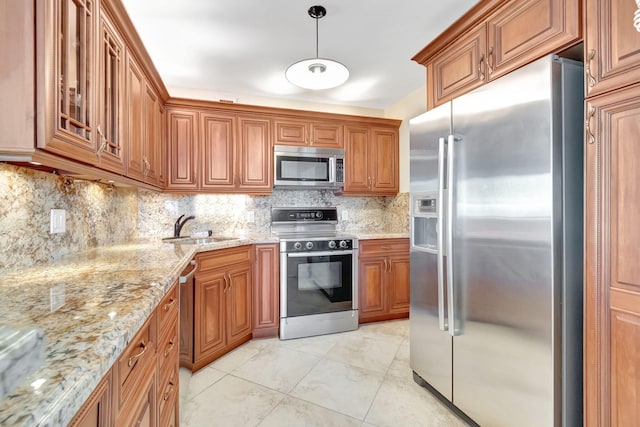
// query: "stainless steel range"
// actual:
[[318, 273]]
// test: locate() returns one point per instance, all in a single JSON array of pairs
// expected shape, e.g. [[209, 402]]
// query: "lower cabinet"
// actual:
[[141, 389], [266, 291], [222, 303], [383, 284], [96, 412]]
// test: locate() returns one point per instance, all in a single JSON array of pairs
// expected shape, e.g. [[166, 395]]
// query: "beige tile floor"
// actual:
[[358, 378]]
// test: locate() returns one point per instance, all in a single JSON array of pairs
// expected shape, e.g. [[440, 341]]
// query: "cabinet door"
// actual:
[[266, 291], [96, 411], [69, 51], [290, 132], [110, 152], [136, 97], [612, 272], [398, 284], [326, 135], [209, 314], [384, 161], [151, 142], [612, 45], [238, 301], [140, 411], [217, 148], [357, 178], [161, 159], [524, 30], [183, 151], [458, 69], [254, 161], [371, 287]]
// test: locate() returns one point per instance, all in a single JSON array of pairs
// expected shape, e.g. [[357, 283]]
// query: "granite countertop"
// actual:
[[89, 306], [108, 294]]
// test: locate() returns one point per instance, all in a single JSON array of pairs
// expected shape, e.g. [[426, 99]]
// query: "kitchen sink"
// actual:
[[197, 240]]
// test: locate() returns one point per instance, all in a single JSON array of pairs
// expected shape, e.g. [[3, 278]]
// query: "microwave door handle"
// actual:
[[332, 170], [440, 224]]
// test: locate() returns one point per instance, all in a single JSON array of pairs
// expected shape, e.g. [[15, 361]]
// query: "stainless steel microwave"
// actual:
[[308, 167]]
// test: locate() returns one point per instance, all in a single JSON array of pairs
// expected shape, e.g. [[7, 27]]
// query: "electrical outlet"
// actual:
[[345, 215], [251, 216], [57, 297], [58, 221]]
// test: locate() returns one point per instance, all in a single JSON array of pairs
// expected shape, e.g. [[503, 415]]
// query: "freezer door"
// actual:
[[503, 354], [426, 130], [430, 344]]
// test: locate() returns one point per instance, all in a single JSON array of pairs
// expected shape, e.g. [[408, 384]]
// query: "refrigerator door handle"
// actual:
[[450, 190], [440, 232]]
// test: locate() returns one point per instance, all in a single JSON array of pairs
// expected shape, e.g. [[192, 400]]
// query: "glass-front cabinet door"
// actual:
[[67, 43], [111, 63]]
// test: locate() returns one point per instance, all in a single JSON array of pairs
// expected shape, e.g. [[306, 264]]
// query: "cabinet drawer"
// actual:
[[377, 247], [168, 308], [223, 258], [168, 345], [134, 360], [167, 392]]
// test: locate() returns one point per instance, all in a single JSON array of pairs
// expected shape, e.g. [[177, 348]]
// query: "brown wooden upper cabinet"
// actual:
[[67, 41], [612, 46], [371, 161], [307, 133], [84, 97], [477, 51], [144, 138], [219, 152]]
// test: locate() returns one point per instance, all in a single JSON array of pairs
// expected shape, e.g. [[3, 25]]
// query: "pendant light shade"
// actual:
[[317, 73]]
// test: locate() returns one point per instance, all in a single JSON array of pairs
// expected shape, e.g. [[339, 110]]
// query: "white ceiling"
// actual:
[[241, 48]]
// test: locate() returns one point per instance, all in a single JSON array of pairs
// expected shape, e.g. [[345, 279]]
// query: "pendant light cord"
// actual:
[[317, 36]]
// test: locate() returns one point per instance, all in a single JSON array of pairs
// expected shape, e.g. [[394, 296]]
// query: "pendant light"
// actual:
[[317, 73]]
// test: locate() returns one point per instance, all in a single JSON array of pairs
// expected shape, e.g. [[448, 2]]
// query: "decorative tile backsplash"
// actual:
[[98, 214], [231, 214]]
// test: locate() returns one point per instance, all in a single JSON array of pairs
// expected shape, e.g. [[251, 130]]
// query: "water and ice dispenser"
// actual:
[[424, 222]]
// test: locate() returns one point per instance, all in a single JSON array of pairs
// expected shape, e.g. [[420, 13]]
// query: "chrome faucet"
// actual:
[[178, 225]]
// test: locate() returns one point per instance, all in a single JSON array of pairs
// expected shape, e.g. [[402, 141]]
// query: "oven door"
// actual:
[[317, 282]]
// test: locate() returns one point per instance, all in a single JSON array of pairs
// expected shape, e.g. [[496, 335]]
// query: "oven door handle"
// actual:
[[325, 253]]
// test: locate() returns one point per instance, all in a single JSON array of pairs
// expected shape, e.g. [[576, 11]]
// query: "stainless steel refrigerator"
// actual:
[[496, 248]]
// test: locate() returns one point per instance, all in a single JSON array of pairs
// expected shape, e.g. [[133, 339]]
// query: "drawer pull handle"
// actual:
[[387, 248], [168, 392], [169, 348], [135, 357], [168, 306]]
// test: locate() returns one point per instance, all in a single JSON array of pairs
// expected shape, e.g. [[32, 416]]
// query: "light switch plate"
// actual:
[[345, 215], [251, 216], [58, 221]]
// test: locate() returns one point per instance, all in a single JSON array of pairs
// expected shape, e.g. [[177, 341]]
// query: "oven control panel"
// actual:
[[337, 244]]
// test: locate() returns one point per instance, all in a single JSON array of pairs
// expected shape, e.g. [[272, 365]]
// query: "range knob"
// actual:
[[297, 245], [309, 245], [319, 214], [332, 244], [343, 244]]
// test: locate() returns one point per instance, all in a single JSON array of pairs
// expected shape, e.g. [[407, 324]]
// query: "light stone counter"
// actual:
[[370, 236], [106, 294]]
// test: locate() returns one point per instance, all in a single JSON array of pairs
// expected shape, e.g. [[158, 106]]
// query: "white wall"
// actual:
[[408, 107]]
